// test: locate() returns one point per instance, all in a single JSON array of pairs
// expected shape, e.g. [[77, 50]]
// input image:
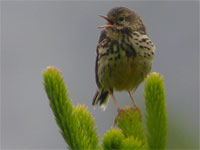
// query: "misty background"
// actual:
[[37, 34]]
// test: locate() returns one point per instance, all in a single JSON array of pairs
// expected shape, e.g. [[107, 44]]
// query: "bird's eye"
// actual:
[[121, 18]]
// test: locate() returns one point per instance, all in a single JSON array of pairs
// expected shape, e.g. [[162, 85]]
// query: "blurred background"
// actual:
[[36, 34]]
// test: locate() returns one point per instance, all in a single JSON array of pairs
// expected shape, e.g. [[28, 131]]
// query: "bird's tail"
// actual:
[[101, 97]]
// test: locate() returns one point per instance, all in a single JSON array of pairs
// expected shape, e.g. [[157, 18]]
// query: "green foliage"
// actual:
[[156, 117], [86, 122], [113, 139], [77, 124], [133, 143]]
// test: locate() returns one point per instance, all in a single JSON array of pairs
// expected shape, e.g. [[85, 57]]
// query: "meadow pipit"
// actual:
[[124, 55]]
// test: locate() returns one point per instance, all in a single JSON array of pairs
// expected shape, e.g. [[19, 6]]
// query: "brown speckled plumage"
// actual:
[[124, 54]]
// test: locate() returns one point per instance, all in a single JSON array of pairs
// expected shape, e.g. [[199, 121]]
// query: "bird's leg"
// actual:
[[134, 104], [115, 101], [119, 110]]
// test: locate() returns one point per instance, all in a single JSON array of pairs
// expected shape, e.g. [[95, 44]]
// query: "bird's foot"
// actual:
[[127, 112], [138, 110], [120, 112]]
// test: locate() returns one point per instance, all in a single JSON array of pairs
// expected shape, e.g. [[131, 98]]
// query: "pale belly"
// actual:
[[124, 73]]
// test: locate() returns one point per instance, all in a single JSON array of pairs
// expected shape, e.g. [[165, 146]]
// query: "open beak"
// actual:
[[109, 25]]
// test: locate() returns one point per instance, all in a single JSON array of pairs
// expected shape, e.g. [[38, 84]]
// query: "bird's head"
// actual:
[[121, 17]]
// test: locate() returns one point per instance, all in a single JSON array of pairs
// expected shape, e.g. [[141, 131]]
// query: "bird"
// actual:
[[124, 56]]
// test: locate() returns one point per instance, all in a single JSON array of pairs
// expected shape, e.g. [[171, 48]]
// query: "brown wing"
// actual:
[[102, 36]]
